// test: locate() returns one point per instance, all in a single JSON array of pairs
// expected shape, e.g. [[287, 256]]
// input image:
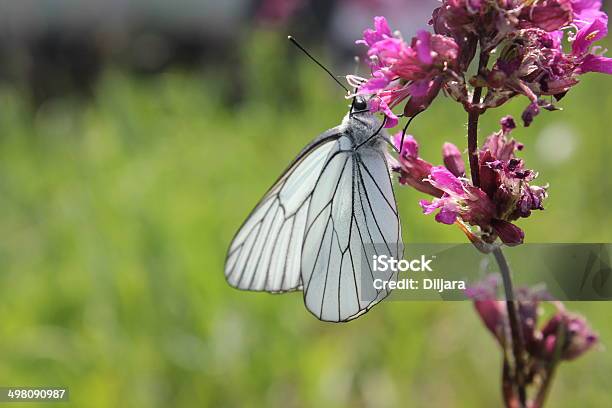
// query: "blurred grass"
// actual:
[[116, 215]]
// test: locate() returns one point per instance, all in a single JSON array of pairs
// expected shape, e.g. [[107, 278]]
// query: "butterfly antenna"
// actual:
[[404, 132], [356, 88], [297, 44]]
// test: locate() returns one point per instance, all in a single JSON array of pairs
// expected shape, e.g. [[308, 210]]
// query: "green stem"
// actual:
[[551, 369], [518, 345]]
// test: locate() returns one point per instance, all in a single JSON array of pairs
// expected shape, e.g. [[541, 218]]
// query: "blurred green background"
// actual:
[[116, 213]]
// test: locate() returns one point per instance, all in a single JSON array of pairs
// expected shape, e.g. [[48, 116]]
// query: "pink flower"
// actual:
[[509, 233], [425, 58], [578, 337], [460, 200], [413, 171], [505, 178], [565, 336], [533, 61], [491, 311], [505, 193], [587, 11], [588, 34], [535, 64], [401, 70], [380, 32], [540, 343]]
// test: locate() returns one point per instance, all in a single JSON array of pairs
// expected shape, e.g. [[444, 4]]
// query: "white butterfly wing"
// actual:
[[318, 228], [265, 254], [352, 217]]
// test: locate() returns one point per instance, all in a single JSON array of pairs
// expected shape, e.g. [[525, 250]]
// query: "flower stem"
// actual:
[[473, 144], [551, 369], [518, 346], [474, 113]]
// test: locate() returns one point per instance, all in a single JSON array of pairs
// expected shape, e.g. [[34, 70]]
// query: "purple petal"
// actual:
[[388, 50], [410, 148], [509, 233], [475, 4], [430, 206], [445, 47], [446, 181], [378, 82], [392, 119], [378, 105], [446, 216], [423, 47], [380, 32], [381, 26], [420, 88], [417, 104], [488, 175], [491, 311], [587, 11], [586, 36], [596, 63]]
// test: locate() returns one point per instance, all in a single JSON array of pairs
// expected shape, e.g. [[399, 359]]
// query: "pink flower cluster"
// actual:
[[505, 193], [534, 48], [528, 35], [401, 70], [540, 340]]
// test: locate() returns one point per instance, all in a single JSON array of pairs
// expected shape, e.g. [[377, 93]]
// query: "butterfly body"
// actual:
[[360, 128]]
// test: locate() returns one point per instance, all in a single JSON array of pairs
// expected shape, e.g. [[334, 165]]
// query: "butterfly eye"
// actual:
[[360, 104]]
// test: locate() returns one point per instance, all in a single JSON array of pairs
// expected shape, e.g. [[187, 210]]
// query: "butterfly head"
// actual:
[[360, 104], [363, 125], [360, 110]]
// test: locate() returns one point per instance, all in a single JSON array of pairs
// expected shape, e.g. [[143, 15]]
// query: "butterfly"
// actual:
[[321, 223]]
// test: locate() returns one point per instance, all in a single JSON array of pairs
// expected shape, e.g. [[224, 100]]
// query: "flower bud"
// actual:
[[573, 329], [529, 113], [453, 160], [413, 170], [509, 233], [492, 312], [508, 124]]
